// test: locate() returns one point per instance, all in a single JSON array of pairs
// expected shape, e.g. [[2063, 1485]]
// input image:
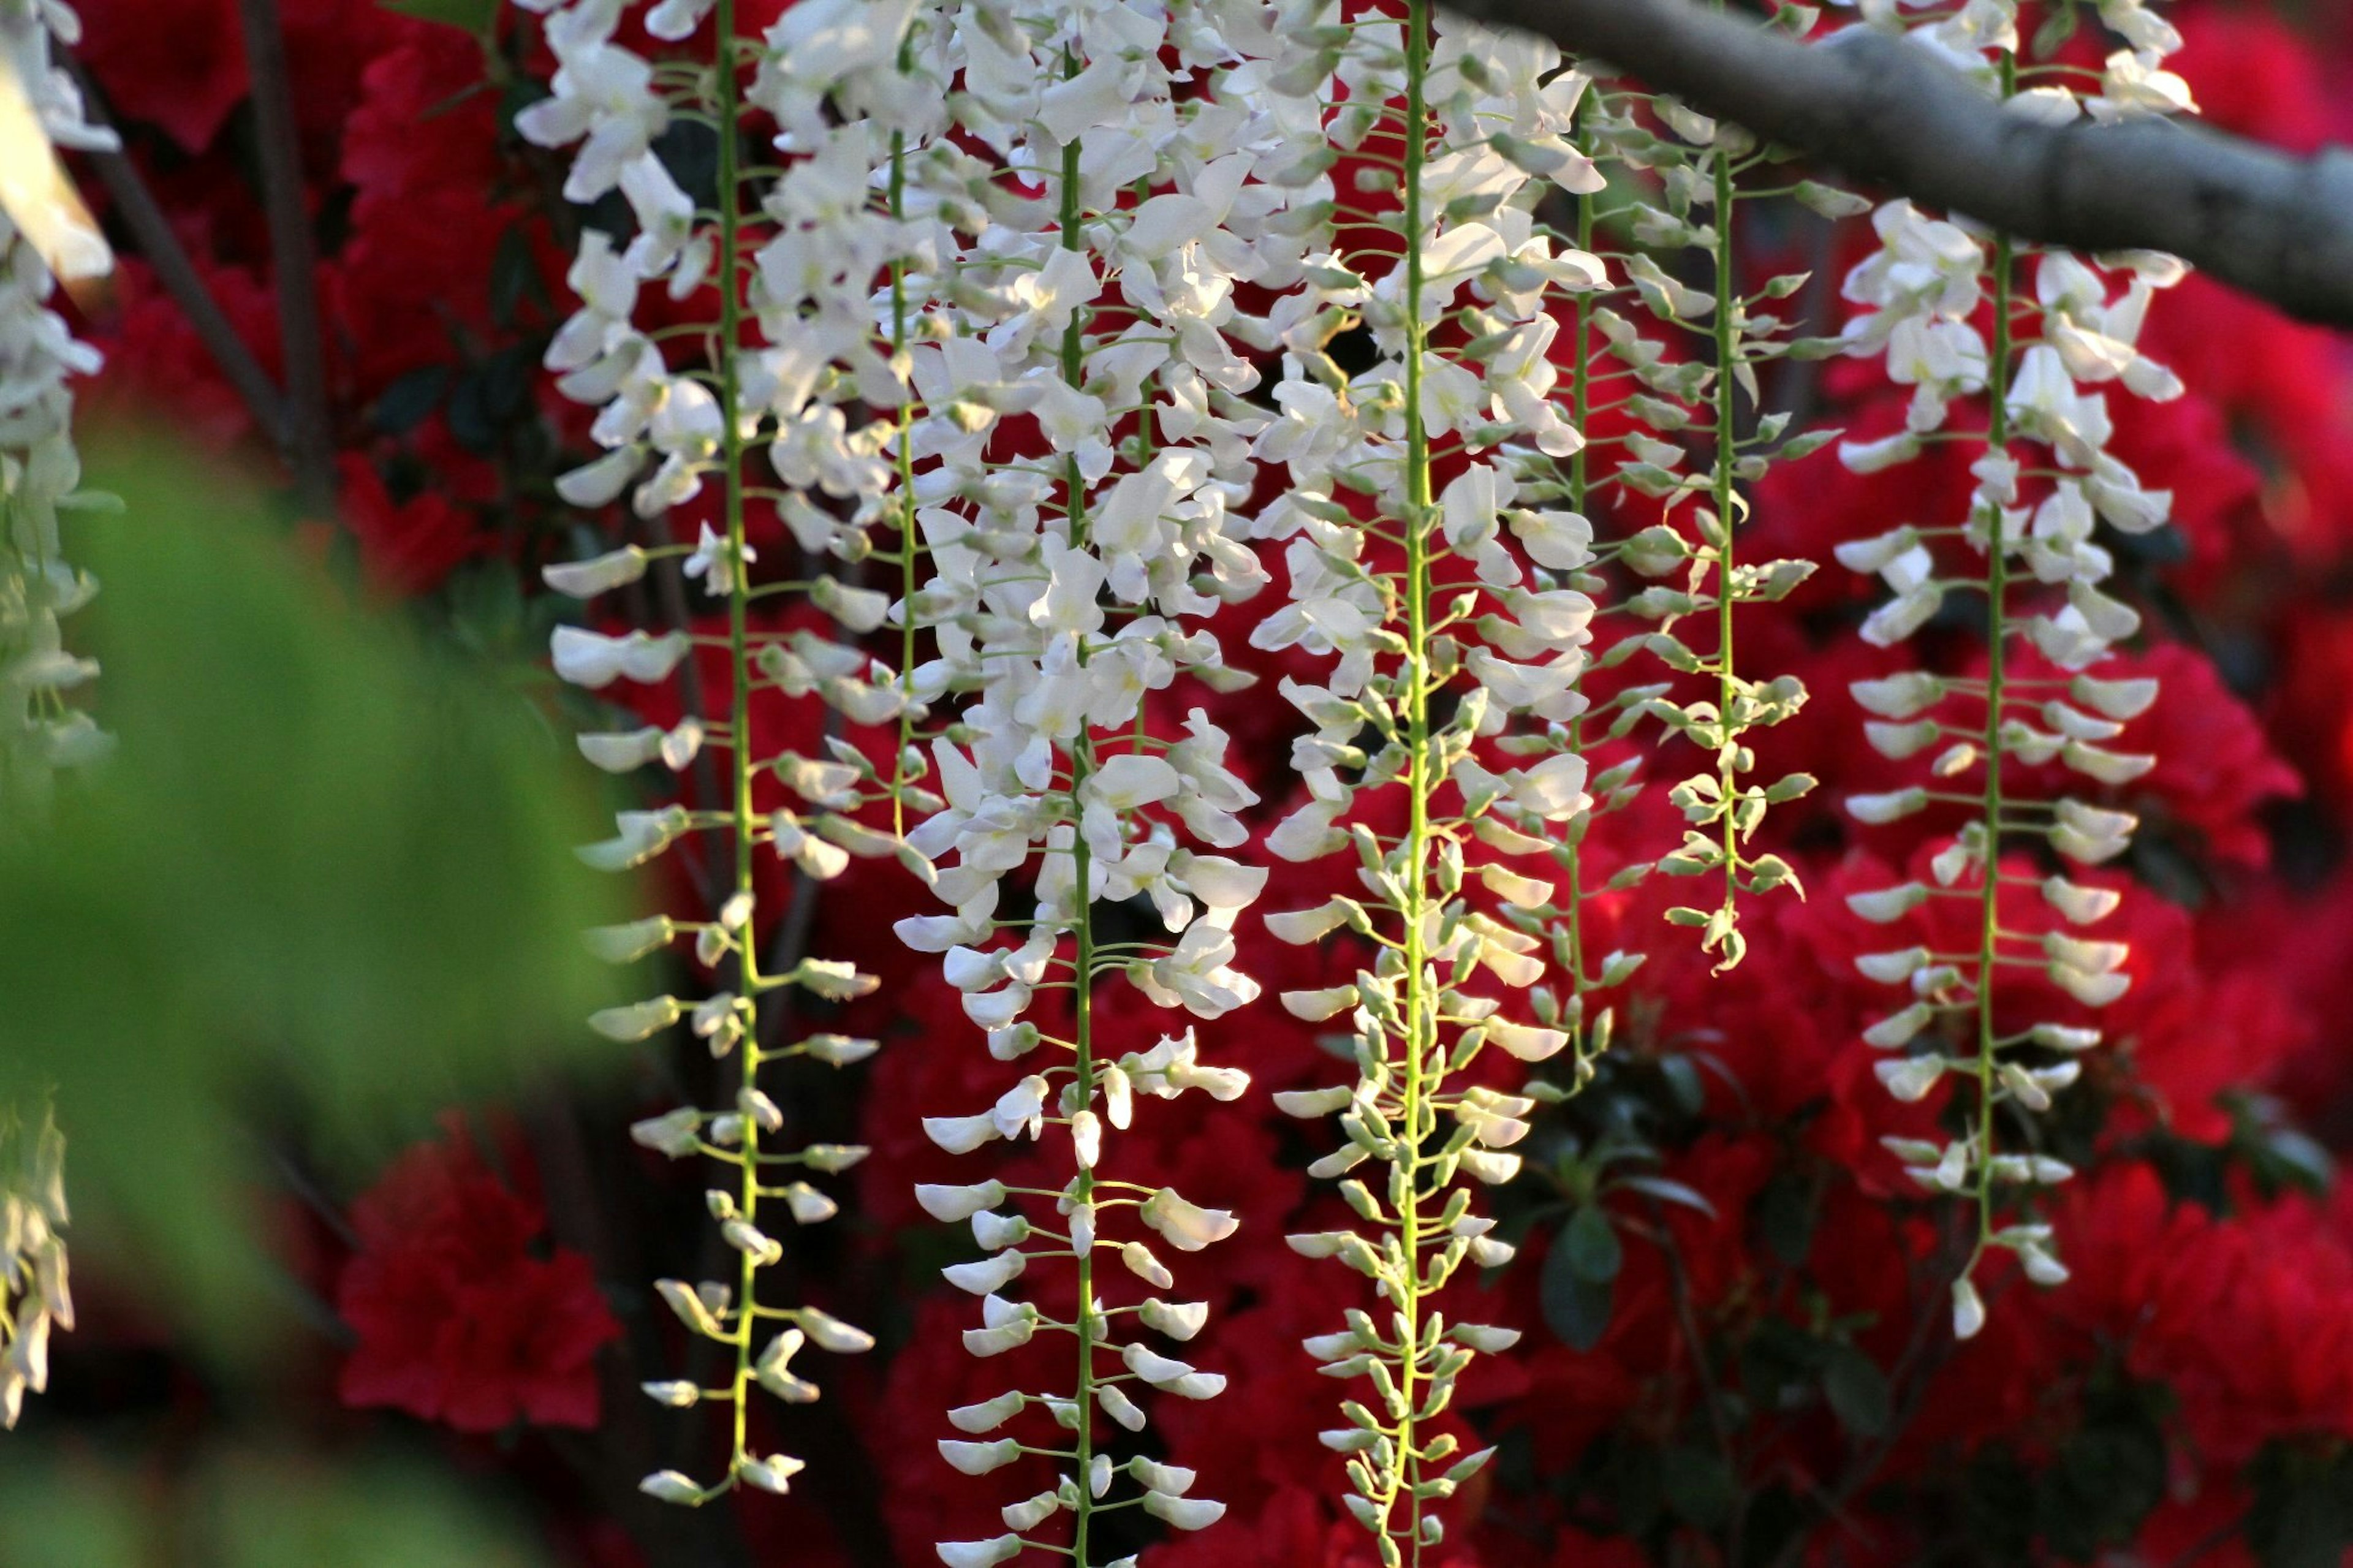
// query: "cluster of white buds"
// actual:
[[47, 239], [1700, 435], [35, 1295], [2044, 482], [1558, 914], [1452, 623], [850, 88], [1069, 560]]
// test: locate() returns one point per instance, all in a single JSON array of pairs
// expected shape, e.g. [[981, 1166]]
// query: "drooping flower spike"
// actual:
[[791, 357], [42, 731], [1697, 436], [1447, 609], [2063, 330], [36, 1294], [1067, 572]]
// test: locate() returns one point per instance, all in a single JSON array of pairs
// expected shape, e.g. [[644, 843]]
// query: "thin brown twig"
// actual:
[[1718, 1419], [310, 435], [1917, 1347], [143, 216]]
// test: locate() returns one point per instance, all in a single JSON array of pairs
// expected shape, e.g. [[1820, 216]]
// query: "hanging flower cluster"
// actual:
[[792, 266], [998, 320], [1079, 451], [1695, 438], [1423, 561], [1776, 1262], [40, 731], [1560, 915], [35, 1295], [48, 240], [2062, 328]]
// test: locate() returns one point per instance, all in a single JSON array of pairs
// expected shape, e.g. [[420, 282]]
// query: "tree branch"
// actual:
[[1880, 110]]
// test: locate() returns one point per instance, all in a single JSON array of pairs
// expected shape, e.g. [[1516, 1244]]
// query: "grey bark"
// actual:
[[1888, 113]]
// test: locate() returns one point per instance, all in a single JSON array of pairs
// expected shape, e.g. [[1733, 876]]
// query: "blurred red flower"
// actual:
[[406, 547], [459, 1318]]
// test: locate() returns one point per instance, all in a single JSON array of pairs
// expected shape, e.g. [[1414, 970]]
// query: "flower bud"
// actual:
[[1884, 808], [1910, 1079], [1116, 1404], [669, 1486], [980, 1458], [1888, 904], [1968, 1310]]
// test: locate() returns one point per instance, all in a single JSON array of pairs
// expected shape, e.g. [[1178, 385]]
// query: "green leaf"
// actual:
[[1668, 1191], [1576, 1308], [1997, 1506], [1857, 1392], [2106, 1480], [513, 269], [476, 16], [1683, 1083], [405, 403], [1591, 1242], [1783, 1213], [1699, 1486]]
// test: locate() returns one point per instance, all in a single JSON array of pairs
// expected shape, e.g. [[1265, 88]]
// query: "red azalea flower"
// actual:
[[2252, 1329], [406, 547], [422, 122], [457, 1319], [158, 369], [184, 74]]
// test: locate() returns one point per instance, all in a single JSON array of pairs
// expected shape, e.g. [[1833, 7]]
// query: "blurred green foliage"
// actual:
[[329, 870], [250, 1510]]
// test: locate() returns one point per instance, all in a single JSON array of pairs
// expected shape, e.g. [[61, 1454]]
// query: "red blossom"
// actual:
[[406, 547], [184, 76], [459, 1317]]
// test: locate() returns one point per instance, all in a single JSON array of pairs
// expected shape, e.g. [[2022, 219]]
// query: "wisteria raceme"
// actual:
[[34, 1294], [2044, 482], [1064, 568], [1675, 184], [40, 731], [46, 239], [1689, 171], [843, 84], [1445, 611], [1561, 915]]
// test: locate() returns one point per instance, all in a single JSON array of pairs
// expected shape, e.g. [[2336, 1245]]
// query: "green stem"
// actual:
[[1580, 411], [1418, 1116], [1082, 761], [1997, 601], [1728, 346], [906, 491], [741, 674]]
